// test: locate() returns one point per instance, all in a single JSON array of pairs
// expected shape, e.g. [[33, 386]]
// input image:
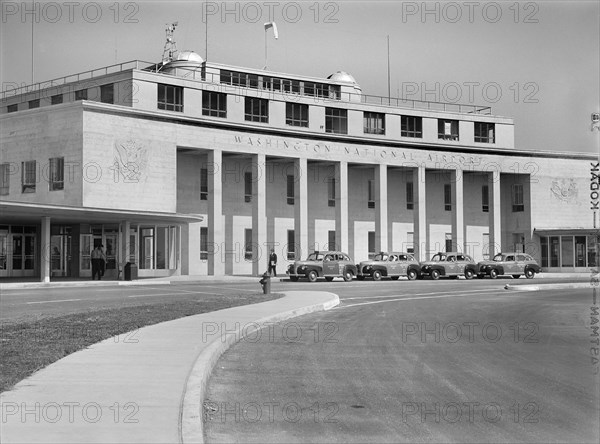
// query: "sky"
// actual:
[[536, 62]]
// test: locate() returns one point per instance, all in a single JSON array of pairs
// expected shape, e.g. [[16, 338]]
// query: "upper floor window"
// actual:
[[485, 199], [203, 183], [447, 129], [55, 100], [331, 246], [257, 110], [517, 198], [410, 203], [4, 179], [248, 244], [28, 176], [34, 103], [484, 132], [248, 186], [56, 173], [170, 97], [411, 126], [291, 245], [371, 244], [448, 197], [331, 192], [214, 104], [374, 123], [336, 120], [203, 243], [296, 114], [107, 93], [290, 189], [371, 194], [12, 108], [81, 94]]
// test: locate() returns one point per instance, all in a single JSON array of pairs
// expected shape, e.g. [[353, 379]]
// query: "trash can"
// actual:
[[131, 271], [266, 283]]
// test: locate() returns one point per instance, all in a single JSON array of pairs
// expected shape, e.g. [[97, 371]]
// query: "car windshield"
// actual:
[[380, 257], [438, 257], [315, 257], [498, 258]]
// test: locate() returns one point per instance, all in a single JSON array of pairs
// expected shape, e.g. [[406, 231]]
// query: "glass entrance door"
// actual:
[[85, 262], [3, 254]]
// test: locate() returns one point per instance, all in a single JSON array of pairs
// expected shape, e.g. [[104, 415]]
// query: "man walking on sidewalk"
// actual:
[[98, 261]]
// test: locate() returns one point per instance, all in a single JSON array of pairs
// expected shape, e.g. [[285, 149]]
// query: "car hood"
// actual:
[[488, 263], [299, 263], [365, 263], [431, 263]]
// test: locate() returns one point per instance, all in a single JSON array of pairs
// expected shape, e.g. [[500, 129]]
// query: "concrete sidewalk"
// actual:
[[147, 386]]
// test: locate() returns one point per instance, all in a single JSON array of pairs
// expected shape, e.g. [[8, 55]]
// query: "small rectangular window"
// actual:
[[447, 197], [484, 132], [34, 103], [28, 176], [81, 94], [107, 93], [331, 240], [374, 123], [203, 184], [291, 245], [485, 199], [517, 198], [411, 126], [371, 244], [57, 99], [170, 97], [214, 104], [371, 194], [248, 186], [331, 192], [296, 114], [203, 243], [248, 244], [448, 129], [290, 189], [257, 110], [56, 174], [12, 108], [336, 121], [410, 203], [4, 179]]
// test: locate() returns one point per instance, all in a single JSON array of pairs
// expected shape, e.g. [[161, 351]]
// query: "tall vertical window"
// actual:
[[371, 194], [517, 198], [34, 103], [336, 121], [580, 251], [257, 110], [28, 177], [448, 245], [544, 245], [55, 100], [447, 129], [331, 240], [56, 174], [248, 186], [485, 199], [290, 189], [331, 192], [484, 132], [296, 114], [486, 246], [410, 203], [214, 104], [248, 244], [291, 245], [203, 243], [4, 179], [374, 123], [411, 126], [447, 197], [203, 183], [170, 97], [371, 244], [107, 93], [410, 242], [81, 94]]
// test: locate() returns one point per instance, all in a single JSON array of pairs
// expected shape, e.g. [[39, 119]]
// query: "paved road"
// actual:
[[444, 361]]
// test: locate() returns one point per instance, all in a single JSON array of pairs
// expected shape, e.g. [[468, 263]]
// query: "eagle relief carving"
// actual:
[[564, 190], [130, 161]]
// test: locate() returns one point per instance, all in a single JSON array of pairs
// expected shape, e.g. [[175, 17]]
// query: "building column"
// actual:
[[458, 223], [341, 206], [46, 252], [301, 207], [260, 251], [381, 209], [495, 220], [124, 250], [421, 246], [216, 235]]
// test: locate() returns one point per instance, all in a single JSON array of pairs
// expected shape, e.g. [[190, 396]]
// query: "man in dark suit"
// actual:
[[273, 262]]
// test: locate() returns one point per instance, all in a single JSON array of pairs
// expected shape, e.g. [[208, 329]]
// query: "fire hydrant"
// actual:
[[266, 283]]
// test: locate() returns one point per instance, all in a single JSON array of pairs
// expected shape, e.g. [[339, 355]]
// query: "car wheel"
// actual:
[[516, 276], [348, 275], [469, 273], [360, 277], [412, 275], [493, 273], [395, 278], [529, 273], [329, 278], [435, 275], [294, 278], [376, 275], [312, 276]]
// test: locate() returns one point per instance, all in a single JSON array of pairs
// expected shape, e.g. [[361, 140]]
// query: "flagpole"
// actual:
[[265, 49]]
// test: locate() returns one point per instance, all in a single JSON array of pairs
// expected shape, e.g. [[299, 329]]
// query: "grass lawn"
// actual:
[[29, 345]]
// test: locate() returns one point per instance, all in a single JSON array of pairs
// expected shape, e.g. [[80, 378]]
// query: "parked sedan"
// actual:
[[391, 265], [450, 264], [327, 264], [514, 264]]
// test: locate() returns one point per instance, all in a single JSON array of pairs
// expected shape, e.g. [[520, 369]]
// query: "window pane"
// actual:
[[580, 251]]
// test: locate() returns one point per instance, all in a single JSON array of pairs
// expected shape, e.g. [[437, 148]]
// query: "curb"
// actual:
[[191, 425], [72, 284], [539, 287]]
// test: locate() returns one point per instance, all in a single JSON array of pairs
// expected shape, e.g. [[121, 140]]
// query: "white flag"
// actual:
[[274, 26]]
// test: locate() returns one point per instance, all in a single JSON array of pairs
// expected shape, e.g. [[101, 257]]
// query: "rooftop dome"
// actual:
[[189, 56], [342, 76]]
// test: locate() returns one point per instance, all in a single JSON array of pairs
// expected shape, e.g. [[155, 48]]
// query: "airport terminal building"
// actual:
[[190, 167]]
